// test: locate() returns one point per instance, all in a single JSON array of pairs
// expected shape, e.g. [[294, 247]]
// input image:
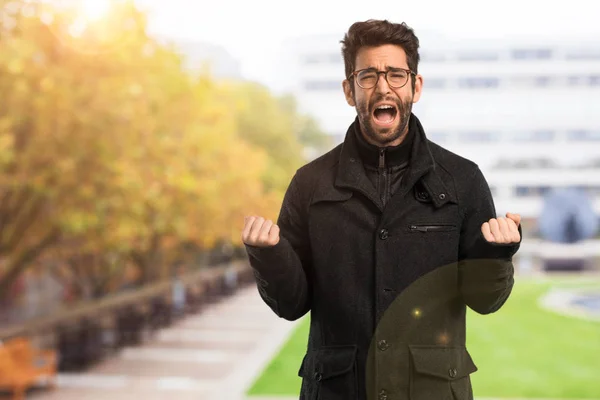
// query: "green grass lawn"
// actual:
[[521, 351]]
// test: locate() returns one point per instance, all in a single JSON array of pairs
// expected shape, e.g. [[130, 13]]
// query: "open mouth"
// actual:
[[385, 114]]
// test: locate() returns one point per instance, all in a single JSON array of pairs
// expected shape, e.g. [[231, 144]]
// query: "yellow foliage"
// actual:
[[120, 145]]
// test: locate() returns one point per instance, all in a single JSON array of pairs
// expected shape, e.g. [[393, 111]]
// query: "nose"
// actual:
[[382, 84]]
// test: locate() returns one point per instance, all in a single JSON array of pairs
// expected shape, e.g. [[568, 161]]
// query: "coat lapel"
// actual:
[[351, 172], [423, 169]]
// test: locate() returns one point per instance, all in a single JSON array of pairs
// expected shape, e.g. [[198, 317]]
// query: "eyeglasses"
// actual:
[[367, 78]]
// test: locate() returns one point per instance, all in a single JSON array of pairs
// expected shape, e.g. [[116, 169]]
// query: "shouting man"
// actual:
[[385, 240]]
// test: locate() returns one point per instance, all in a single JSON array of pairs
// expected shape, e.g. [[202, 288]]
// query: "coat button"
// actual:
[[383, 234], [382, 394], [383, 345], [318, 376], [452, 372], [442, 196], [423, 195]]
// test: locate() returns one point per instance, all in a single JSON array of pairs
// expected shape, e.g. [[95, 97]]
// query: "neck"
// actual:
[[398, 151]]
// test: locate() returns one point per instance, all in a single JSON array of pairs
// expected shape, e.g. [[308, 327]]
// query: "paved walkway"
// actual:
[[216, 354]]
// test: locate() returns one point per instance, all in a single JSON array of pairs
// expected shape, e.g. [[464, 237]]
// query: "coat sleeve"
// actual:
[[281, 271], [486, 271]]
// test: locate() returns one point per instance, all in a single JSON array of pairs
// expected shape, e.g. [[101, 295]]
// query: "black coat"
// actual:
[[421, 259]]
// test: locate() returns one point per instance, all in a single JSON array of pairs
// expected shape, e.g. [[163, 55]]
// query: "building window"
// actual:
[[535, 136], [435, 83], [522, 191], [590, 80], [433, 57], [483, 56], [583, 54], [542, 81], [532, 54], [533, 163], [582, 135], [477, 136], [534, 81], [531, 191], [478, 83], [576, 80], [322, 85]]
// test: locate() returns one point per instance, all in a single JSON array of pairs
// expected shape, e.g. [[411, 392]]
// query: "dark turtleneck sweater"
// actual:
[[385, 166]]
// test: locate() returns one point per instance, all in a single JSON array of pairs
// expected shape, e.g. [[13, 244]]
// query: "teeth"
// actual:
[[384, 107]]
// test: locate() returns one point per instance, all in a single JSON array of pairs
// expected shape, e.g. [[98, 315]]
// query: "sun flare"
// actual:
[[93, 10]]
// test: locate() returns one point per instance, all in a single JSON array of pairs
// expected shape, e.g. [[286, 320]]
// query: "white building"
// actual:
[[527, 111]]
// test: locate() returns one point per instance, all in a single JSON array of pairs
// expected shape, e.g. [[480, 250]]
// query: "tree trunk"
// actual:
[[147, 260], [24, 260]]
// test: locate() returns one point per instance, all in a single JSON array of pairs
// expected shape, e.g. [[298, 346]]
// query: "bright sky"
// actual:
[[253, 30]]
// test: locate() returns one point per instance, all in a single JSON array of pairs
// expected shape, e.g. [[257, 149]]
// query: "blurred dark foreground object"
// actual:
[[567, 218]]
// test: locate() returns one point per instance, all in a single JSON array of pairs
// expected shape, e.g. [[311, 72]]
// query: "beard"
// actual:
[[379, 135]]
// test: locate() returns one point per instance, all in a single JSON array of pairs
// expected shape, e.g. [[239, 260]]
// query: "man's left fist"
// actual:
[[502, 230]]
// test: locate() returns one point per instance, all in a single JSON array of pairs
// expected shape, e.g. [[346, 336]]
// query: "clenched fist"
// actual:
[[260, 232], [502, 230]]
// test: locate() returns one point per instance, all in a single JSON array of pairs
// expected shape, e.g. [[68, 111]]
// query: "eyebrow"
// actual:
[[389, 68]]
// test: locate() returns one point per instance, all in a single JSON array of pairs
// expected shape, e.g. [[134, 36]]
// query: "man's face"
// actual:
[[383, 111]]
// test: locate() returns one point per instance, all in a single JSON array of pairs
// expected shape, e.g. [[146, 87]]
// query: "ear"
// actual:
[[348, 93], [418, 88]]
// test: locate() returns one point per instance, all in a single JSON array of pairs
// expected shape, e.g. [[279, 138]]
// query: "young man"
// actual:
[[387, 222]]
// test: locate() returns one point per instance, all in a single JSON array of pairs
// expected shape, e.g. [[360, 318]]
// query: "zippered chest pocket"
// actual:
[[426, 244], [432, 227]]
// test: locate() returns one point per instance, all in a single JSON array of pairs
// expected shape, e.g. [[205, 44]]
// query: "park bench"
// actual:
[[22, 366]]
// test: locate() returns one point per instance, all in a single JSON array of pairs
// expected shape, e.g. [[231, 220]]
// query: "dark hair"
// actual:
[[372, 33]]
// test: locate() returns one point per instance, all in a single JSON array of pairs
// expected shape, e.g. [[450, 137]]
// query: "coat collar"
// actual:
[[422, 167], [394, 155]]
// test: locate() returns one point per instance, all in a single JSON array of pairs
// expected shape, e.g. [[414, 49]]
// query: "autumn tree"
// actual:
[[112, 153], [306, 128]]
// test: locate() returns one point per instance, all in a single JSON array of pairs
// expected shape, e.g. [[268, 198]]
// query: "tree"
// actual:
[[263, 122], [110, 151], [306, 127]]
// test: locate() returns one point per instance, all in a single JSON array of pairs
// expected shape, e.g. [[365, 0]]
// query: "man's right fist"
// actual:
[[260, 232]]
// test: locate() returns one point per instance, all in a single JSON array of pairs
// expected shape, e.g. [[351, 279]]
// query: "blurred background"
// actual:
[[136, 135]]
